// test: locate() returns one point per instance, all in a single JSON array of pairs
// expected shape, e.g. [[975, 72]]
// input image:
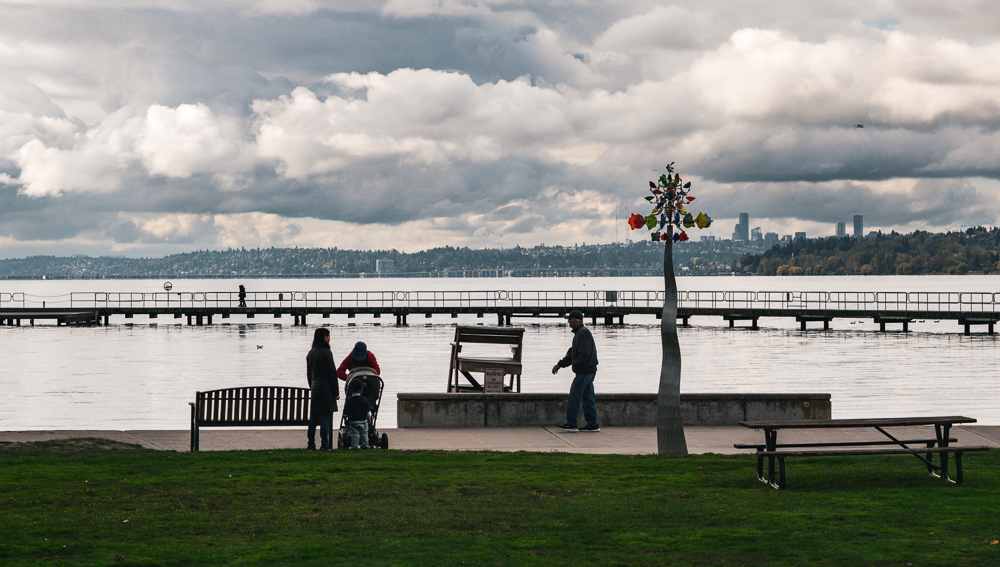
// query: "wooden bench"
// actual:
[[256, 406], [465, 365], [940, 445]]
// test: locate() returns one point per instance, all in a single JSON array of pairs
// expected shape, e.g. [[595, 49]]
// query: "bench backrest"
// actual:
[[490, 335], [254, 405]]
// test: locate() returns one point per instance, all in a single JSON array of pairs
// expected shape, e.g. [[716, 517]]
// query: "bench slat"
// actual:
[[490, 339]]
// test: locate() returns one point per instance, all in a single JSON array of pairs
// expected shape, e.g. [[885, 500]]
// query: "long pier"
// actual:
[[607, 306]]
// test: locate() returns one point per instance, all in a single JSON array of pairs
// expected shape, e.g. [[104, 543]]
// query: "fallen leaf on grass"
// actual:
[[995, 542]]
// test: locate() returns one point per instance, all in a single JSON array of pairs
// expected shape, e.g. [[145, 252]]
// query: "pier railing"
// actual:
[[771, 301]]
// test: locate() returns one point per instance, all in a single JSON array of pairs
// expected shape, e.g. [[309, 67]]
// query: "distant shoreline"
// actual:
[[450, 274]]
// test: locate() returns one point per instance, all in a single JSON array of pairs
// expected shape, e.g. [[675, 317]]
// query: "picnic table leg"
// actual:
[[958, 467], [781, 475], [944, 467], [943, 432], [930, 460], [771, 442]]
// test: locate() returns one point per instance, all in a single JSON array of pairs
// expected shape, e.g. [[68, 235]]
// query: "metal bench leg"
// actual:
[[194, 429], [760, 467], [781, 474]]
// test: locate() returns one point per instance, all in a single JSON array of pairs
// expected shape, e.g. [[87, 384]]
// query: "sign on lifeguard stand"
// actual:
[[493, 380]]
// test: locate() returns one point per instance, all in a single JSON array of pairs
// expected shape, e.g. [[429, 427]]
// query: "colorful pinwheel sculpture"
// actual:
[[669, 197]]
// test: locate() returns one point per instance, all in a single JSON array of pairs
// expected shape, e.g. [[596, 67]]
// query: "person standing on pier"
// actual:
[[243, 296], [582, 356], [325, 390], [359, 357]]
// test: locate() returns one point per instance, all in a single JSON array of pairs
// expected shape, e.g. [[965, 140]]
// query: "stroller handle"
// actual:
[[360, 372]]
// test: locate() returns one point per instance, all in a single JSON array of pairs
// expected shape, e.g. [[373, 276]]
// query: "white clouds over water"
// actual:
[[167, 126]]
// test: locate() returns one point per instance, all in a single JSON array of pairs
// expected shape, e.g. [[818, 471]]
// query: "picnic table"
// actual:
[[940, 444]]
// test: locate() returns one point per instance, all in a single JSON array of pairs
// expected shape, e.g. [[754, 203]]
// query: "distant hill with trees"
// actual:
[[631, 258], [971, 251]]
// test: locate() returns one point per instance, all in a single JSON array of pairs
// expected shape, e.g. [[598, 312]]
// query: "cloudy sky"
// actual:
[[150, 127]]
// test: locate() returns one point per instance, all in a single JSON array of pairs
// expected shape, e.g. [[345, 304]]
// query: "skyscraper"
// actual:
[[841, 229], [743, 228], [859, 226]]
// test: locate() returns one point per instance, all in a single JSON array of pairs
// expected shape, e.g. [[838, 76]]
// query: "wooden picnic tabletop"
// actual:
[[876, 422]]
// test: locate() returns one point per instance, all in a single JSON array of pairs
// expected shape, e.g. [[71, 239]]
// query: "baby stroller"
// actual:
[[373, 393]]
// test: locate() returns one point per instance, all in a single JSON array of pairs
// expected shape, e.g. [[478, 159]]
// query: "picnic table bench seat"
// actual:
[[251, 406], [762, 446], [465, 365], [957, 451]]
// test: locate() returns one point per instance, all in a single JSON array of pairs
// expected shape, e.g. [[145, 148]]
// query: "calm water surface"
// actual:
[[141, 374]]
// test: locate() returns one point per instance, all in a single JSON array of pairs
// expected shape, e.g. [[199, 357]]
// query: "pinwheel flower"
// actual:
[[668, 197]]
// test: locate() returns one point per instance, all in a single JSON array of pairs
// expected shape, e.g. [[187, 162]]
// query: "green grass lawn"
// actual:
[[94, 502]]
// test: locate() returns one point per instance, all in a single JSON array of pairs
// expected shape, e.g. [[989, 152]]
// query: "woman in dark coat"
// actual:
[[322, 374]]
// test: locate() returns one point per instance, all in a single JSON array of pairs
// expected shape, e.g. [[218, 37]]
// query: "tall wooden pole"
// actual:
[[669, 429]]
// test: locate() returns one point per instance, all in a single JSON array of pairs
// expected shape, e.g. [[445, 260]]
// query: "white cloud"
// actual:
[[423, 8], [78, 160], [423, 116], [189, 139], [903, 79], [664, 27]]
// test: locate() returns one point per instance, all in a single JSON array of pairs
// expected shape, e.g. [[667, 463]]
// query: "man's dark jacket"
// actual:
[[583, 354]]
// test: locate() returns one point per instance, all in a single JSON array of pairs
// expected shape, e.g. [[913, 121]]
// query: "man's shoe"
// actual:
[[567, 428], [591, 428], [311, 448]]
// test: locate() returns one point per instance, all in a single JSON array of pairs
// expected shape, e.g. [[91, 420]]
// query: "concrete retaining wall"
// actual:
[[523, 410]]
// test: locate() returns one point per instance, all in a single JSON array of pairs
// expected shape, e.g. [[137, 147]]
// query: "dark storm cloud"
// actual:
[[931, 202], [812, 154]]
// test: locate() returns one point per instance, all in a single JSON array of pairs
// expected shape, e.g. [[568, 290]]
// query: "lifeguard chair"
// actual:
[[466, 365]]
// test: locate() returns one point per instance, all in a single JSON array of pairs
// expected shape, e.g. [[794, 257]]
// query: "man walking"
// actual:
[[582, 356]]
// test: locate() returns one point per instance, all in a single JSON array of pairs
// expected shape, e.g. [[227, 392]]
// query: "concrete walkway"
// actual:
[[612, 440]]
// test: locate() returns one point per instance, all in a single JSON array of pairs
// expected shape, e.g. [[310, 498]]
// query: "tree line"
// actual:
[[702, 258], [974, 250]]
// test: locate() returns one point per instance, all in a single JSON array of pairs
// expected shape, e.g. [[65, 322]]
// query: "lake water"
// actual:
[[141, 374]]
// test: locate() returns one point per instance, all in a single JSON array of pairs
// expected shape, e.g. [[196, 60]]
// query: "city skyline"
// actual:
[[145, 129]]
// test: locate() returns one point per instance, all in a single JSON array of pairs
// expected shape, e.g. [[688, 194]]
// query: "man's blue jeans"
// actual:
[[582, 391]]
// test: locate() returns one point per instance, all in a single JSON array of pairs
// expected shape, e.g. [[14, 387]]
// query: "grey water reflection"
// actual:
[[141, 373], [142, 376]]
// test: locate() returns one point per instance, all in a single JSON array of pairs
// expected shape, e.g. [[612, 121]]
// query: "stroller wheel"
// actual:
[[385, 441]]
